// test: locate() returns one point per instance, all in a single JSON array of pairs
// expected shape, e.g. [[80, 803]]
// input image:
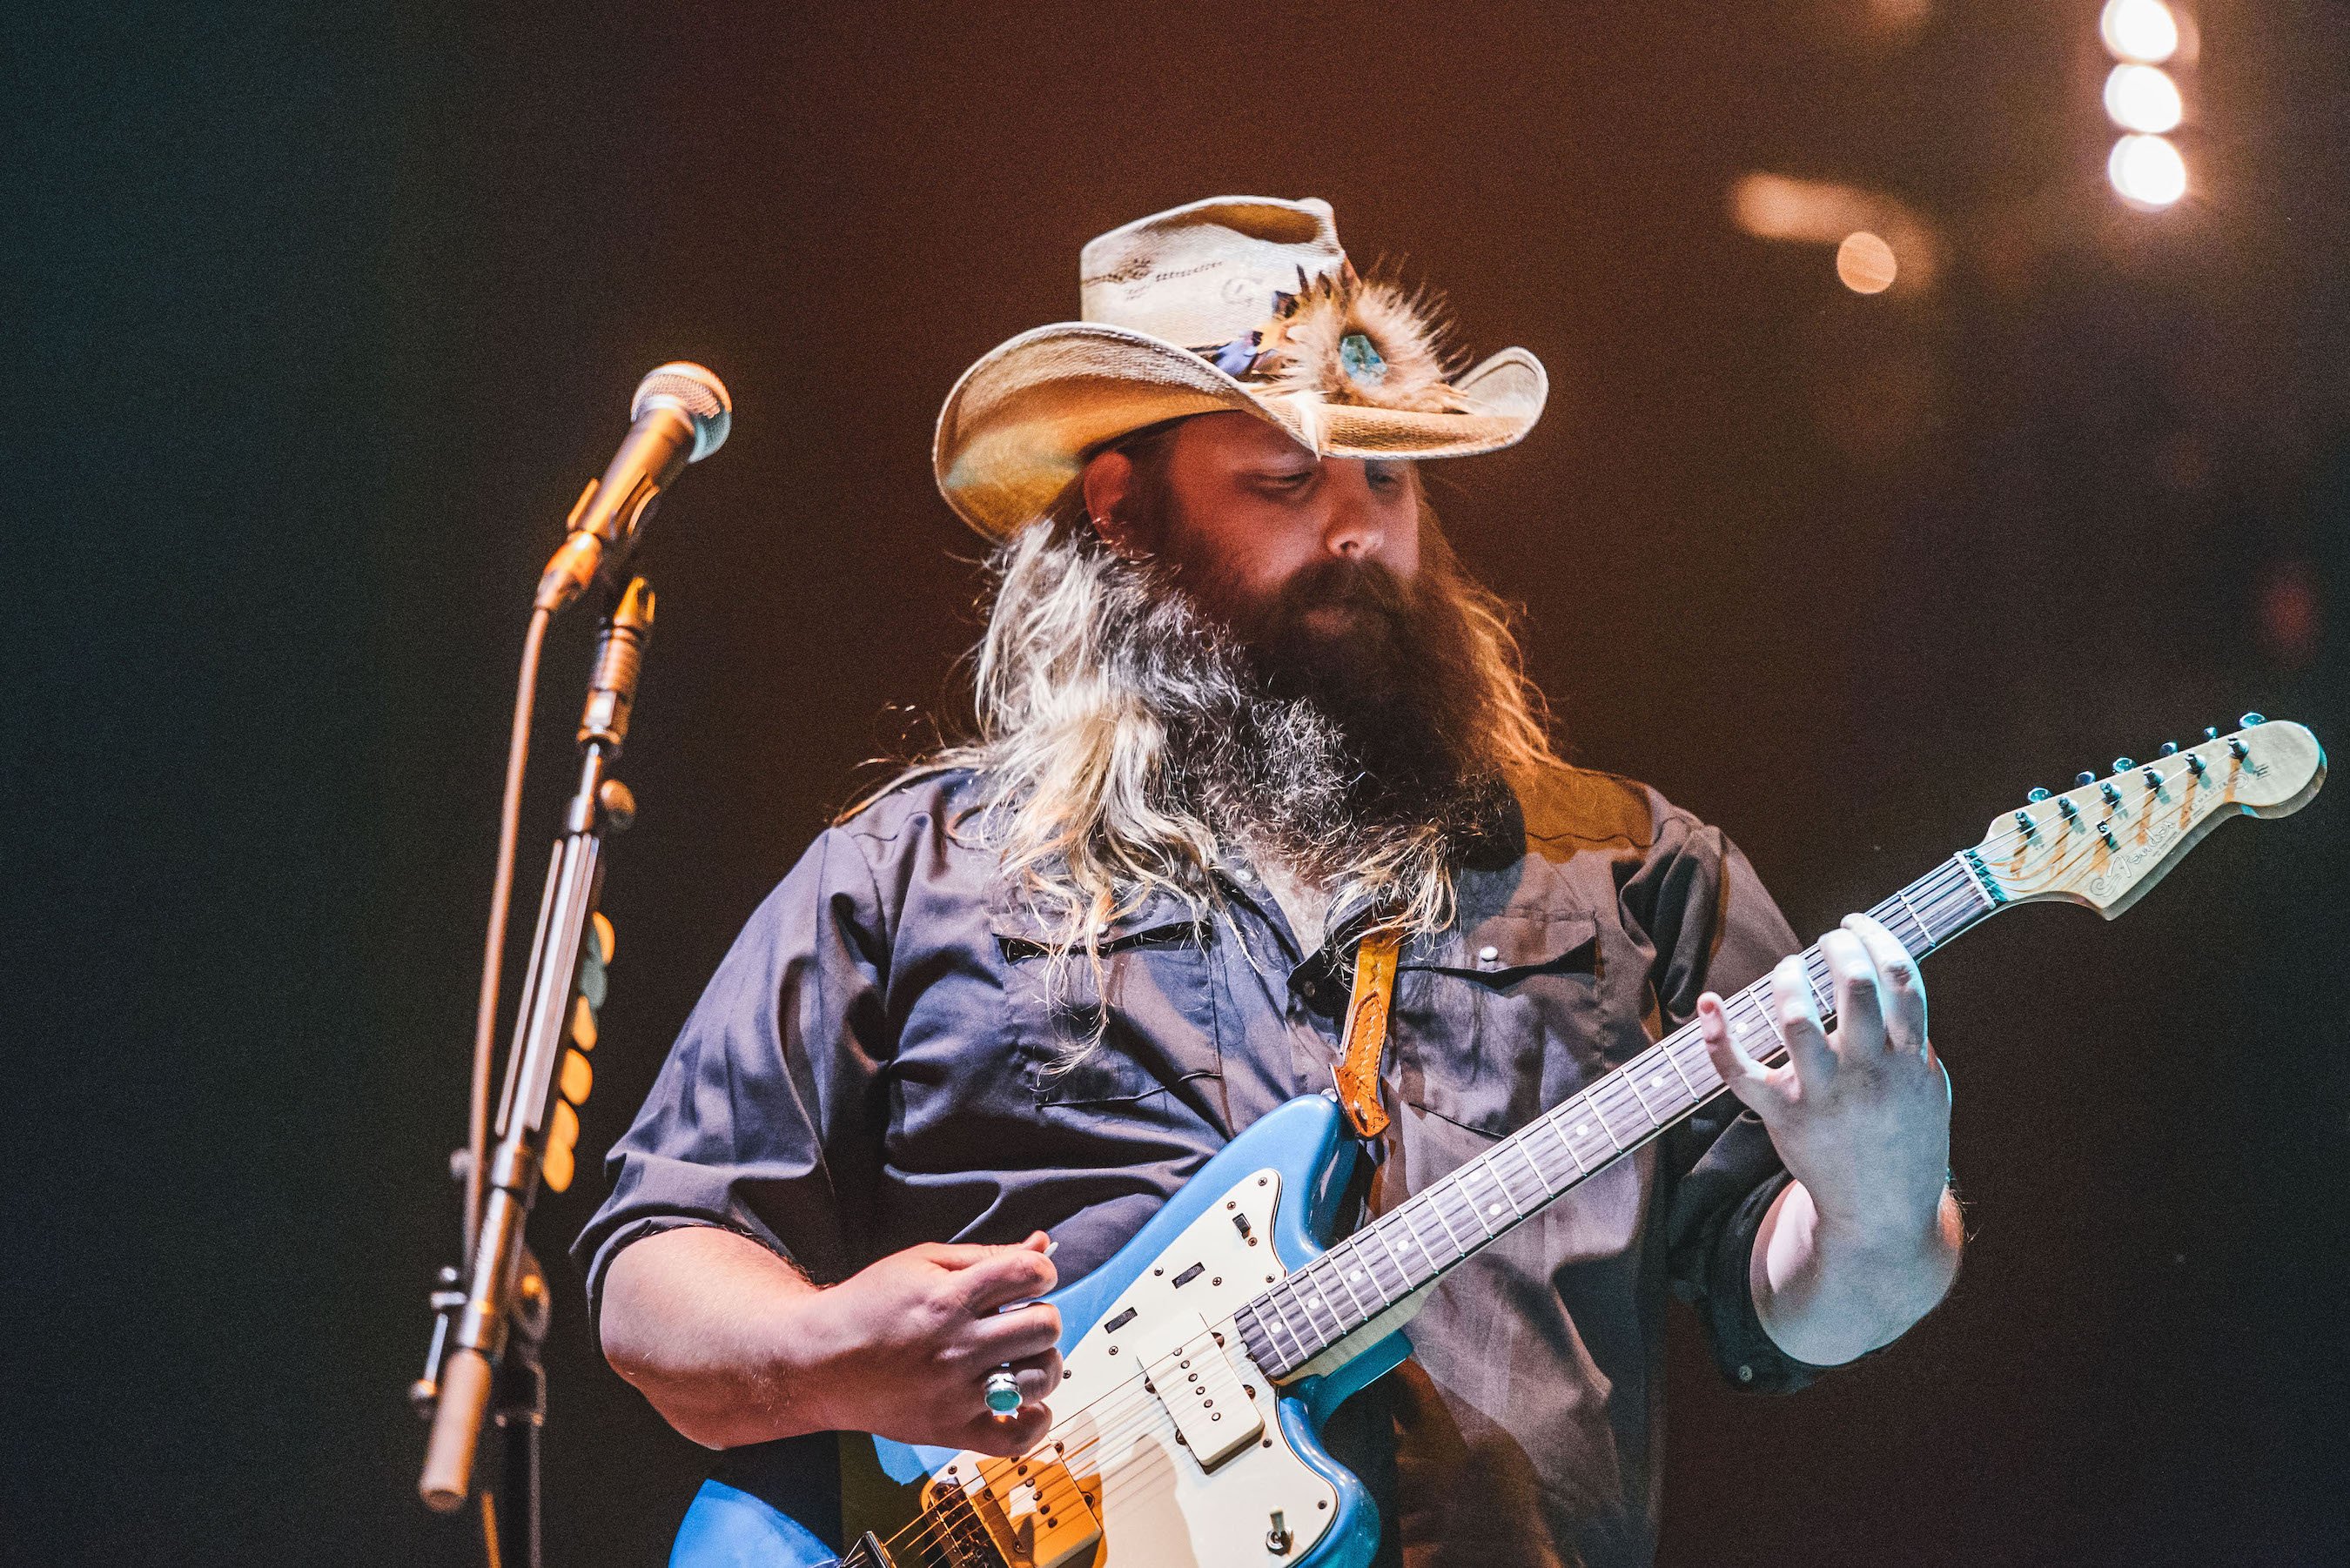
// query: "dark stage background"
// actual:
[[320, 320]]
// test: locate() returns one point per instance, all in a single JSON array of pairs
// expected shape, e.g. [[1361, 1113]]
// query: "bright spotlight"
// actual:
[[1864, 263], [2141, 30], [2147, 171], [2142, 98]]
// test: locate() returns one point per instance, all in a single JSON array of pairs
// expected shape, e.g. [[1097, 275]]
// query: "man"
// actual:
[[1238, 705]]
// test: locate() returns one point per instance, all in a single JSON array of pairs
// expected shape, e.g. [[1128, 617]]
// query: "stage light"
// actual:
[[1864, 263], [2140, 30], [2143, 98], [2147, 171]]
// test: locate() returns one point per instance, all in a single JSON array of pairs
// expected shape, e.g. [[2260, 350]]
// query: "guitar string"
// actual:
[[1931, 887]]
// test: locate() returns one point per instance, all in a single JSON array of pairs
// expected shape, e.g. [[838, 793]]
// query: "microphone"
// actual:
[[681, 414]]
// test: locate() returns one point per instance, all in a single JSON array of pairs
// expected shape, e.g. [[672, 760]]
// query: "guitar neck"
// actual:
[[1437, 1230]]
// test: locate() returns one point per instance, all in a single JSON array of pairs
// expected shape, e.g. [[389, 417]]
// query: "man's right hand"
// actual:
[[903, 1348], [733, 1345]]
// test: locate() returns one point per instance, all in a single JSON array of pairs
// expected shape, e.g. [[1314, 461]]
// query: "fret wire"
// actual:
[[1411, 1228], [1656, 1079], [1558, 1131], [1479, 1206], [1336, 1265], [1437, 1209], [1284, 1303], [1518, 1146], [1281, 1321], [1311, 1340], [1361, 1243], [1387, 1247], [1666, 1048], [1348, 1268], [1312, 1297]]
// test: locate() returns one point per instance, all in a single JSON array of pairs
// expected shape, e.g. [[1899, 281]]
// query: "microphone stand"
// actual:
[[484, 1360]]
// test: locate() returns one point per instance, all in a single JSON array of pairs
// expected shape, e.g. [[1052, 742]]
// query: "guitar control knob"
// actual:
[[2169, 749], [2123, 764], [2084, 777], [2249, 720], [2037, 795]]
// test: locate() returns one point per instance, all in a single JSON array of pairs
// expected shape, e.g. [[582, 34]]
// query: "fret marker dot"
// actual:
[[1581, 1128], [1657, 1081], [1493, 1209]]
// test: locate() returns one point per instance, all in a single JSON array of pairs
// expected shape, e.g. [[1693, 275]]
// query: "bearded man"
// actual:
[[1238, 705]]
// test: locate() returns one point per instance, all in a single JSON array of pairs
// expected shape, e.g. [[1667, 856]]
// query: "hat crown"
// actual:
[[1201, 274]]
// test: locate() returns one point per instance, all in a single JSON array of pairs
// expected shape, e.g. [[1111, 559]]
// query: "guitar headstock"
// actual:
[[2106, 841]]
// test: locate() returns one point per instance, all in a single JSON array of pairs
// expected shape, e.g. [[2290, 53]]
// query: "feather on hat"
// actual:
[[1240, 303]]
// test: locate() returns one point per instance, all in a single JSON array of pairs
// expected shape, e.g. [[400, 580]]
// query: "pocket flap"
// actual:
[[1507, 947]]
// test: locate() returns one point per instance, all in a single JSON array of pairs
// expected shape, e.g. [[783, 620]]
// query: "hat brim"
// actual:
[[1017, 427]]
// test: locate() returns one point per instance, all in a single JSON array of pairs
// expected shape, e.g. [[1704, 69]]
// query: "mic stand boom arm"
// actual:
[[503, 1288]]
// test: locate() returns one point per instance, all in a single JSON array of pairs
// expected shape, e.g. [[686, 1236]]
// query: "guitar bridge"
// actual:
[[1031, 1510]]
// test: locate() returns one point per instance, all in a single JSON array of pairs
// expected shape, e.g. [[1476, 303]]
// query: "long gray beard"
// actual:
[[1276, 775]]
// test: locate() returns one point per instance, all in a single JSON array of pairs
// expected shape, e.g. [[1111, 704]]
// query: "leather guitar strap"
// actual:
[[1365, 1035]]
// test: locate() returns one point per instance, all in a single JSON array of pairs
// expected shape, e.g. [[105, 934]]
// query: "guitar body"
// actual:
[[1171, 1448], [1119, 1483]]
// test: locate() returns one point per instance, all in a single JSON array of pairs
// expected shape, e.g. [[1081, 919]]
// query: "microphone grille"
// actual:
[[693, 391]]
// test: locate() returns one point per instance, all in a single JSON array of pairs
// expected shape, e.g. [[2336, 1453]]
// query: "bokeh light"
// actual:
[[1864, 263], [2140, 30], [2143, 98], [2147, 171]]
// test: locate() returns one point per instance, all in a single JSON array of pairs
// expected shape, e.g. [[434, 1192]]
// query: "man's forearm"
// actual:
[[699, 1320], [1826, 1293]]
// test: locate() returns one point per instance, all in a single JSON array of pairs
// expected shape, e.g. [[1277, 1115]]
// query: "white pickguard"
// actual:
[[1159, 1508]]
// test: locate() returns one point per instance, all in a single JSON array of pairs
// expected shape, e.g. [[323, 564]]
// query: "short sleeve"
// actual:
[[765, 1119], [1714, 928]]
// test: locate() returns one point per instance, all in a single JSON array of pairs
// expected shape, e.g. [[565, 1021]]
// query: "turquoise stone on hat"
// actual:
[[1360, 359]]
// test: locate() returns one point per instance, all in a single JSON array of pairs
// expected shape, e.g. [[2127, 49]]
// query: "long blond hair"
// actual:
[[1089, 815]]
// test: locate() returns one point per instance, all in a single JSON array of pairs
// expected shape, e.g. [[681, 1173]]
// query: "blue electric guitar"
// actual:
[[1203, 1357]]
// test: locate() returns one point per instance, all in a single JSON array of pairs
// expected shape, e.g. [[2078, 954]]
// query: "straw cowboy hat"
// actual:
[[1237, 302]]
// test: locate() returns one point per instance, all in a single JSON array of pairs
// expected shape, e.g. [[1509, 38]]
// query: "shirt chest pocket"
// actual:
[[1494, 1022], [1143, 1024]]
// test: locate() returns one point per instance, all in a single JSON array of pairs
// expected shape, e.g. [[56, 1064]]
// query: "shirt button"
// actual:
[[1311, 990], [1487, 957]]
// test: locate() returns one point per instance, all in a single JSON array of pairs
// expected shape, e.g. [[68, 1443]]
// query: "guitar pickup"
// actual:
[[1205, 1393], [1112, 1325], [1188, 1275]]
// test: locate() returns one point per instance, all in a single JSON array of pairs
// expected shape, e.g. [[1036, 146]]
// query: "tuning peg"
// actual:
[[2169, 749], [2249, 720], [2036, 796], [2211, 732], [2153, 776], [2065, 808], [2195, 764], [2023, 822], [2084, 777], [2112, 796], [2123, 764], [2237, 749]]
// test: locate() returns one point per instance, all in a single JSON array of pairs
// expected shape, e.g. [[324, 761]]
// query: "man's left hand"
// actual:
[[1862, 1116]]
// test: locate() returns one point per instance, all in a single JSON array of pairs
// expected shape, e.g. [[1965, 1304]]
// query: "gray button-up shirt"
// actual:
[[880, 1061]]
